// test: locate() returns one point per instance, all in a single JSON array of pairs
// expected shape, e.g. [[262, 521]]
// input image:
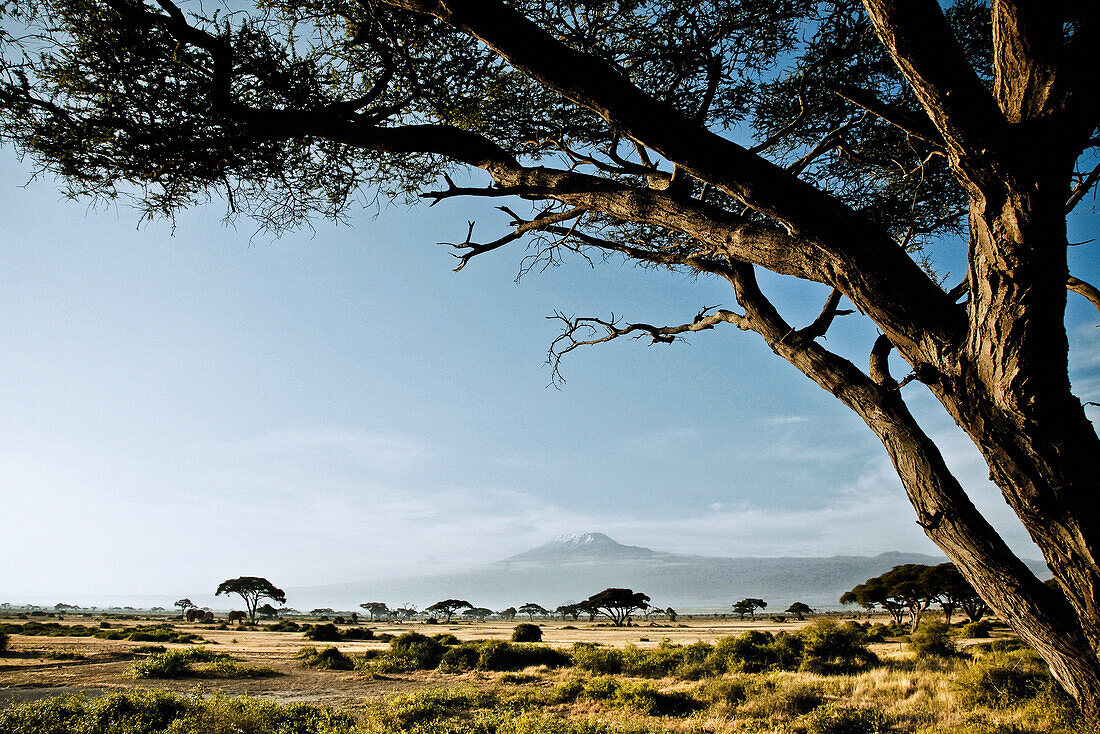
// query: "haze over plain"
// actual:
[[184, 407]]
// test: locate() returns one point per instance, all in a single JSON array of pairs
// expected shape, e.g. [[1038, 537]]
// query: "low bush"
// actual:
[[497, 655], [836, 719], [933, 639], [48, 629], [527, 632], [974, 630], [595, 659], [830, 648], [178, 664], [1002, 680], [638, 695], [147, 633], [3, 641], [357, 633], [152, 711], [781, 698], [323, 633], [284, 625], [328, 658]]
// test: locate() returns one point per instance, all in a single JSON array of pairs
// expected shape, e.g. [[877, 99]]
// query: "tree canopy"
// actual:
[[749, 606], [252, 589], [616, 604], [448, 607], [825, 141]]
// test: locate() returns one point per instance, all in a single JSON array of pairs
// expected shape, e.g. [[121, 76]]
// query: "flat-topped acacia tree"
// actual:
[[252, 589], [875, 126]]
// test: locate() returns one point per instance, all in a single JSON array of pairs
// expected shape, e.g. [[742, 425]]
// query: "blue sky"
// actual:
[[177, 408]]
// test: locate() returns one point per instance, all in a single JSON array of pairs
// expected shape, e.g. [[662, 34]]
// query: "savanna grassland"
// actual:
[[823, 676]]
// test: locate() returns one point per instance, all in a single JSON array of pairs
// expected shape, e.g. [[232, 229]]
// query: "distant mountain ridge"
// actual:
[[572, 567], [583, 548]]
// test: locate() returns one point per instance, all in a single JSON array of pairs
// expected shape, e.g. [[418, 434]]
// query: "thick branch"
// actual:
[[1085, 289], [862, 253], [918, 38]]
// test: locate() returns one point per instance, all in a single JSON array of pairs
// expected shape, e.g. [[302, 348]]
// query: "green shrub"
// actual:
[[358, 633], [284, 625], [527, 632], [730, 691], [593, 658], [328, 658], [323, 633], [3, 641], [146, 649], [974, 630], [425, 651], [154, 712], [616, 692], [829, 648], [177, 664], [432, 706], [933, 639], [1003, 680], [769, 697], [837, 719], [460, 658], [444, 638]]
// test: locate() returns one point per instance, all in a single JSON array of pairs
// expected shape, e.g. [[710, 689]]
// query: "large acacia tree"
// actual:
[[825, 141]]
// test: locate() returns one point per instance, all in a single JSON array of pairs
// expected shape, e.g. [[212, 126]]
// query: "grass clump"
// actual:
[[153, 712], [933, 639], [179, 663], [147, 633], [640, 696], [838, 719], [328, 658]]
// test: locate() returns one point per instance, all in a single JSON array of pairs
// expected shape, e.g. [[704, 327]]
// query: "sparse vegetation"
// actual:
[[179, 663], [527, 632], [818, 680], [328, 658]]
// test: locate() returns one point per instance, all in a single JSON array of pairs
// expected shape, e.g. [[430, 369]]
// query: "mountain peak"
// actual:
[[583, 547], [583, 539]]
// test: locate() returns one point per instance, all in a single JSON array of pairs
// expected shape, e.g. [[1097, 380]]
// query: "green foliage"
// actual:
[[933, 639], [284, 625], [832, 648], [323, 633], [595, 659], [836, 719], [617, 692], [3, 641], [156, 712], [178, 664], [48, 629], [328, 658], [527, 632], [974, 630], [497, 655], [460, 659], [1002, 680]]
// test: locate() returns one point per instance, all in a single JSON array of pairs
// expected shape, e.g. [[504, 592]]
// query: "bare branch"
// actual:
[[588, 330], [522, 227], [1082, 188]]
